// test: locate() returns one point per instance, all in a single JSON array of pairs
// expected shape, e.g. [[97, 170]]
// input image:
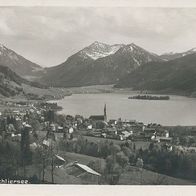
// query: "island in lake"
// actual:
[[149, 97]]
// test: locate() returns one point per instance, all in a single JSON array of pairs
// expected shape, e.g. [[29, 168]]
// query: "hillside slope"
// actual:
[[171, 76], [172, 55], [11, 83], [135, 176], [18, 64], [97, 64]]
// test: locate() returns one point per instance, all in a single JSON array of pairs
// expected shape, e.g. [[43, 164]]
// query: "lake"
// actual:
[[178, 110]]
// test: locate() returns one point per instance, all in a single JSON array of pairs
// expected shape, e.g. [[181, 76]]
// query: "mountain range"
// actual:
[[98, 63], [178, 75], [124, 65], [18, 63], [172, 55]]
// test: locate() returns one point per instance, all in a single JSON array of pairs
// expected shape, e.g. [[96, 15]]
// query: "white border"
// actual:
[[88, 190], [101, 3], [99, 190]]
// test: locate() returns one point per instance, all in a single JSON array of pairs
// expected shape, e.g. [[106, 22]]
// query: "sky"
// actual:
[[48, 35]]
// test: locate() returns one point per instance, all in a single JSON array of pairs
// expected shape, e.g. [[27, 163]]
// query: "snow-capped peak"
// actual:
[[99, 50], [99, 44], [130, 48], [191, 51]]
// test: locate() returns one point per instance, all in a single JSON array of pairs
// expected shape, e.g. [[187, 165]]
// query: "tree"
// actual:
[[151, 146], [95, 165], [25, 147], [134, 147], [9, 159], [127, 151], [139, 163], [36, 126], [122, 159], [37, 157], [114, 148], [112, 171]]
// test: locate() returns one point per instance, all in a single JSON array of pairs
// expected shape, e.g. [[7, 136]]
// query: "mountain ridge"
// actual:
[[178, 75], [173, 55], [98, 63], [11, 83], [17, 63]]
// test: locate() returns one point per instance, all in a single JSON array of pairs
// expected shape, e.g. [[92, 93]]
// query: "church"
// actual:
[[99, 121]]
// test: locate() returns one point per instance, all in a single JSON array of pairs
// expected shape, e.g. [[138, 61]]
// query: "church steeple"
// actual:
[[105, 113]]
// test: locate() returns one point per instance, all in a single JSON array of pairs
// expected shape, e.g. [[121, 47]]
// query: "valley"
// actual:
[[99, 66], [55, 114]]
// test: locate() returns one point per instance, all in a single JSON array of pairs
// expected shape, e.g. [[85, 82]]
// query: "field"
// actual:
[[54, 93], [91, 89], [60, 174], [145, 177], [138, 144], [130, 176]]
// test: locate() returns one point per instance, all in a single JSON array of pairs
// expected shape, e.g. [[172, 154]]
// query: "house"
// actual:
[[100, 117], [52, 127], [98, 121], [87, 169], [96, 133], [97, 117], [112, 122], [165, 139], [89, 127], [70, 130], [84, 172], [16, 137], [79, 119], [166, 133], [137, 128], [149, 132], [126, 134], [60, 129], [34, 145], [59, 161], [112, 131]]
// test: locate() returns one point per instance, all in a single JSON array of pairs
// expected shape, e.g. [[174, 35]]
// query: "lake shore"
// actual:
[[50, 94], [79, 99], [164, 112], [110, 89]]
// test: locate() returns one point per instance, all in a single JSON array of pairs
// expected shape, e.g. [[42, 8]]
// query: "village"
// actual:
[[49, 142], [94, 126]]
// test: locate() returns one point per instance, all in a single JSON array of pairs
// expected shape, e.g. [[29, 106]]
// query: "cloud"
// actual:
[[48, 35]]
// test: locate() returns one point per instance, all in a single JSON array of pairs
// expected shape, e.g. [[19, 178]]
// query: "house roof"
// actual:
[[60, 158], [27, 125], [87, 169], [111, 129], [126, 133], [97, 117], [149, 129], [165, 138]]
